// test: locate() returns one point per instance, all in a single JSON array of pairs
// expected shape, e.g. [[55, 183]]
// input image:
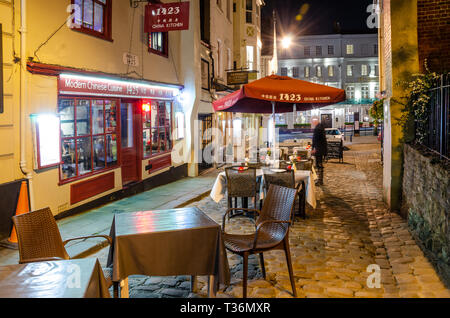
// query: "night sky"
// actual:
[[308, 17]]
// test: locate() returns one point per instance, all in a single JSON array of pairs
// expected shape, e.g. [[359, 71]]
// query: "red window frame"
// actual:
[[107, 25], [91, 135], [168, 130]]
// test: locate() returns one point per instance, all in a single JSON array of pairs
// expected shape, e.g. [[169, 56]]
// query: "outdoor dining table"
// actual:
[[168, 243], [219, 188], [76, 278]]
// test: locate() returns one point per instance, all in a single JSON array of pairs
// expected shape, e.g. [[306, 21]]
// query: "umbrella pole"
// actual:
[[273, 135]]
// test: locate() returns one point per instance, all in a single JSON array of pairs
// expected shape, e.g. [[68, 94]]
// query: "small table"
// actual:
[[77, 278], [168, 243]]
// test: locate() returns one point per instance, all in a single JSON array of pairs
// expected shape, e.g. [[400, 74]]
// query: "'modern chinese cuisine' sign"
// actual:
[[93, 86], [164, 17]]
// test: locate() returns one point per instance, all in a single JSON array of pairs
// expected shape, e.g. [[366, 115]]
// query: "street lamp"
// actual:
[[286, 42]]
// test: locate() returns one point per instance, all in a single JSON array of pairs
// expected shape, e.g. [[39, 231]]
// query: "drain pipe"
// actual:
[[23, 90]]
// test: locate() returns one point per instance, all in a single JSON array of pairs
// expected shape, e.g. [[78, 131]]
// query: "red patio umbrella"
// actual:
[[279, 94]]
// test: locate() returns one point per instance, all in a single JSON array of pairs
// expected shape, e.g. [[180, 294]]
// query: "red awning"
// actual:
[[258, 96]]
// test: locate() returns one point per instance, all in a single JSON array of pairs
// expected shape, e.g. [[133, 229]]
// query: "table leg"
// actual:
[[124, 292], [211, 292], [193, 284]]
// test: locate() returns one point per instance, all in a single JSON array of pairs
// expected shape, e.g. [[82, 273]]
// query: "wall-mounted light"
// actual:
[[146, 107]]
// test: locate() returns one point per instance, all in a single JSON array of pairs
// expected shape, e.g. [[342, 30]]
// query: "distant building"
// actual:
[[347, 61]]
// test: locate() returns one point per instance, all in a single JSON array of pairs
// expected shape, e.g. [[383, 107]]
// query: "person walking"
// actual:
[[319, 149]]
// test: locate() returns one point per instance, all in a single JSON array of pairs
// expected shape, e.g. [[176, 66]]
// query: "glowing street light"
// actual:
[[286, 42]]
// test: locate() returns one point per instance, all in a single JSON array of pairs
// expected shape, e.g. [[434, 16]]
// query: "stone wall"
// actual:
[[426, 200]]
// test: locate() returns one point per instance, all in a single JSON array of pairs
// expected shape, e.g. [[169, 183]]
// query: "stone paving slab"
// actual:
[[331, 250]]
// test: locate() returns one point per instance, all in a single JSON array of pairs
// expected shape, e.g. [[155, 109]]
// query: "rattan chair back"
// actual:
[[284, 179], [241, 184], [38, 235]]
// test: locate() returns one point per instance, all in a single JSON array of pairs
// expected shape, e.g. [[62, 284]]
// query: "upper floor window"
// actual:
[[365, 92], [349, 49], [295, 72], [349, 70], [249, 11], [306, 71], [330, 49], [319, 71], [364, 70], [350, 91], [307, 51], [318, 50], [158, 43], [330, 71], [284, 71], [93, 17]]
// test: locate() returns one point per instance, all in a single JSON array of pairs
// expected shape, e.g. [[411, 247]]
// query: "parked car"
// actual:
[[334, 134]]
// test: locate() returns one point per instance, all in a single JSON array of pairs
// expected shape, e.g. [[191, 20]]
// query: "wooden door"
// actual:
[[129, 131]]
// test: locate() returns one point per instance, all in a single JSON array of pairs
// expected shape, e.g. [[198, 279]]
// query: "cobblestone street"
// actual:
[[331, 250]]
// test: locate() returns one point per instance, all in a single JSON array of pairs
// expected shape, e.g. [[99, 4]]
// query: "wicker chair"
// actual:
[[287, 179], [272, 232], [39, 240], [241, 184]]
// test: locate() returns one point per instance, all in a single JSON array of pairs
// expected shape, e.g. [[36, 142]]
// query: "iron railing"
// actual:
[[438, 130]]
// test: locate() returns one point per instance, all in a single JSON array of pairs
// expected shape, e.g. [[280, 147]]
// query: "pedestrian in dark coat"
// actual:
[[320, 149]]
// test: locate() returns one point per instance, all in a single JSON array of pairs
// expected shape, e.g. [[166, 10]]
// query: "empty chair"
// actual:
[[39, 240], [272, 232], [241, 184]]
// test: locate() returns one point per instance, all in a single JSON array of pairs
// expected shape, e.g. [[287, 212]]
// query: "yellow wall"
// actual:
[[69, 48]]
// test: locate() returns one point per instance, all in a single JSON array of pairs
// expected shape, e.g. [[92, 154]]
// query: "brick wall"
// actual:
[[434, 34]]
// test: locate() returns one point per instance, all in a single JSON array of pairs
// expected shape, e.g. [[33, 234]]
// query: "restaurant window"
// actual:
[[93, 17], [157, 130], [306, 71], [88, 136], [295, 72], [158, 43], [330, 71], [307, 51]]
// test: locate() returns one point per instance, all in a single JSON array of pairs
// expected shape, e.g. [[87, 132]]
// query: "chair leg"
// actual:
[[116, 289], [289, 264], [244, 276], [263, 268]]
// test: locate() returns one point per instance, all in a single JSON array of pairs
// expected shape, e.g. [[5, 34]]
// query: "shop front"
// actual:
[[114, 133]]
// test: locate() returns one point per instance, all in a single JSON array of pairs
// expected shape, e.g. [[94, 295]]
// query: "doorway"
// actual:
[[129, 123], [327, 120], [206, 140]]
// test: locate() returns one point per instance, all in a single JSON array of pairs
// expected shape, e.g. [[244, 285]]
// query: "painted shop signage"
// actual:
[[164, 17], [93, 86]]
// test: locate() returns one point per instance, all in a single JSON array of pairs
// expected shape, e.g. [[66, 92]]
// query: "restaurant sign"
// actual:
[[237, 78], [92, 86], [164, 17]]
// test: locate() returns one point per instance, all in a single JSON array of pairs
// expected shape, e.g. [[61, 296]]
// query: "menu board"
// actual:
[[47, 140]]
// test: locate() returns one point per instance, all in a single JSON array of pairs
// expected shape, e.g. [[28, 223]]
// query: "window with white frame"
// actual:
[[349, 70], [330, 49], [350, 92], [364, 70], [365, 92], [330, 71], [295, 72], [318, 71], [306, 71], [284, 71], [349, 49]]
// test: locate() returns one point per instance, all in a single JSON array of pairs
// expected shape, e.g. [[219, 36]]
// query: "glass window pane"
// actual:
[[162, 139], [84, 155], [66, 110], [126, 125], [111, 150], [155, 144], [147, 142], [146, 119], [78, 11], [88, 13], [98, 18], [97, 117], [154, 114], [68, 166], [110, 116], [99, 153], [83, 120]]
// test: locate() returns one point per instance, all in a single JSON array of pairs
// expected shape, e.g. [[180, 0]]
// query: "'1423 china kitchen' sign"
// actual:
[[163, 17]]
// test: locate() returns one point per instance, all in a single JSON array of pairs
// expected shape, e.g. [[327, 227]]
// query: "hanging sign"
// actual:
[[164, 17]]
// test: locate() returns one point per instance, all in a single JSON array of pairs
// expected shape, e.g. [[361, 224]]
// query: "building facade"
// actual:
[[94, 108], [346, 61]]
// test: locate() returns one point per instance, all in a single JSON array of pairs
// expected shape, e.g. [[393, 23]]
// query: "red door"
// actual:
[[130, 154]]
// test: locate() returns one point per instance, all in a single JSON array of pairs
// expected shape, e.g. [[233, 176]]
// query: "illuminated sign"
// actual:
[[164, 17], [237, 78], [96, 86], [47, 140]]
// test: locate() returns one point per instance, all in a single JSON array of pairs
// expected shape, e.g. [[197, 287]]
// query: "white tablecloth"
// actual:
[[219, 188]]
